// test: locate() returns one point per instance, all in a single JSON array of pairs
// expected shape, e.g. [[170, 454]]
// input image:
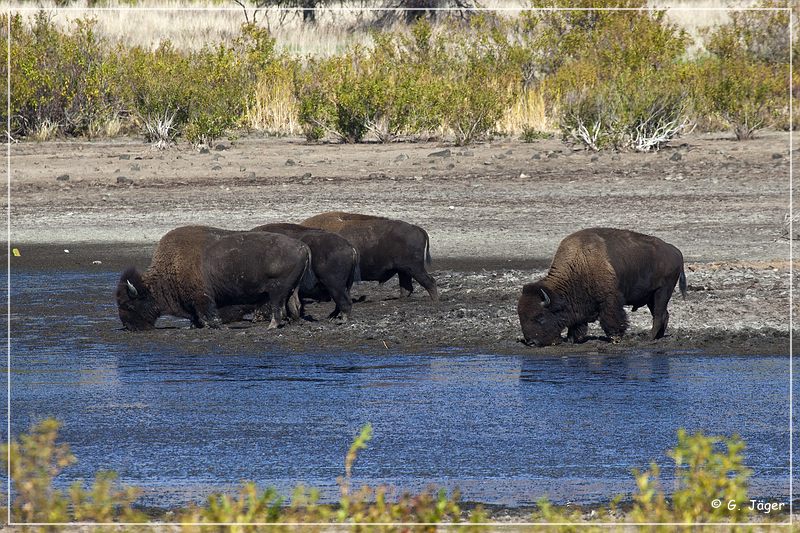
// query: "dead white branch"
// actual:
[[160, 130]]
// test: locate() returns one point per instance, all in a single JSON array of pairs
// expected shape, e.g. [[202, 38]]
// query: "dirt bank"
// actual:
[[495, 213]]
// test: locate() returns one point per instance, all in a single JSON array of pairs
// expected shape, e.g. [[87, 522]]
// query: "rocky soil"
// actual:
[[495, 213]]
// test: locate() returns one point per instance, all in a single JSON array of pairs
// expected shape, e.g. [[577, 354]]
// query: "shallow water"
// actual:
[[503, 429]]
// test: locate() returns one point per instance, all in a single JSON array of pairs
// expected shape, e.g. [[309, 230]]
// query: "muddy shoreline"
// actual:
[[495, 212], [476, 314]]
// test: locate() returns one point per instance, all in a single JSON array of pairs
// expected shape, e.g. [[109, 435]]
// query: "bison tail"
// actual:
[[682, 283], [308, 280], [356, 274], [428, 259]]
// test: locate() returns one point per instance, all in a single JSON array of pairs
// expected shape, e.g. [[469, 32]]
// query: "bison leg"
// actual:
[[262, 313], [278, 302], [425, 279], [613, 319], [275, 314], [577, 333], [658, 308], [344, 303], [294, 305], [406, 285]]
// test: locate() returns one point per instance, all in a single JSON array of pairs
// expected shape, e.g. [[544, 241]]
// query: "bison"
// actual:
[[385, 247], [594, 273], [209, 274], [334, 262]]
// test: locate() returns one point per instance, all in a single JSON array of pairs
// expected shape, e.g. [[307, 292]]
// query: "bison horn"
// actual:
[[132, 292], [545, 298]]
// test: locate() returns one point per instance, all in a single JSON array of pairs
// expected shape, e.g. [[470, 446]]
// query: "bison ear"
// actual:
[[132, 292], [545, 298]]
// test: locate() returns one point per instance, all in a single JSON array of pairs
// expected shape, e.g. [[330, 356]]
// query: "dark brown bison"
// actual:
[[334, 262], [594, 273], [385, 247], [207, 274]]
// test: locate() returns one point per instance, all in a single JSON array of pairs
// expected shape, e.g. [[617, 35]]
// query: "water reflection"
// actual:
[[181, 421]]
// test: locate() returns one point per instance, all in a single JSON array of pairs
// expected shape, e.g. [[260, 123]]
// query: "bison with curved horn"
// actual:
[[334, 262], [209, 275], [385, 247], [594, 273]]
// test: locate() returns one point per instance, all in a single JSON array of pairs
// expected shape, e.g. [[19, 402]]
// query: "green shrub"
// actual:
[[531, 134], [746, 77], [703, 473], [483, 77], [746, 94], [203, 93], [76, 83], [315, 89], [158, 91], [410, 84], [475, 99], [60, 78], [362, 92], [612, 40], [609, 115], [761, 36], [592, 59], [36, 460]]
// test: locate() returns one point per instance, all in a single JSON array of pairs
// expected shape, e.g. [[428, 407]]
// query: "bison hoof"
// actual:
[[273, 324], [340, 318], [616, 339]]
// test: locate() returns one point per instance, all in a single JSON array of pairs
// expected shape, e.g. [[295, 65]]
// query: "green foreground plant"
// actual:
[[36, 459], [704, 472]]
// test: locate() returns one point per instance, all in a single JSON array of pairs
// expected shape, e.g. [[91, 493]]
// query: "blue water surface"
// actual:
[[504, 429]]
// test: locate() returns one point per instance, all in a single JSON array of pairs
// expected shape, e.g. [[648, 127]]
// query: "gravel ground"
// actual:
[[495, 213]]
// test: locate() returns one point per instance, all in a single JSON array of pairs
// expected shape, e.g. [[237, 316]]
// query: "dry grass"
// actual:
[[191, 24], [274, 107], [528, 112], [45, 131]]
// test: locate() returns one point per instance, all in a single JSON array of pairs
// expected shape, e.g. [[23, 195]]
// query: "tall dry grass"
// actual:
[[191, 24], [274, 108], [528, 112]]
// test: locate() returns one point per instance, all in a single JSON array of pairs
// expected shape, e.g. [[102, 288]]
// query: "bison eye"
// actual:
[[540, 320]]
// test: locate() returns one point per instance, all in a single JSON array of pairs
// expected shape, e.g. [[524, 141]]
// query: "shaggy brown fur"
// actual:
[[594, 273]]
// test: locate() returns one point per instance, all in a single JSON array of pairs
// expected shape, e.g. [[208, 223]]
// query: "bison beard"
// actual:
[[594, 273]]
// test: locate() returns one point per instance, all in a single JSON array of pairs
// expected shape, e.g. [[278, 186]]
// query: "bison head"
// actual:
[[538, 310], [137, 307]]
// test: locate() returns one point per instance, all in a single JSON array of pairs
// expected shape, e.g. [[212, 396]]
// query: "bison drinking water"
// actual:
[[334, 262], [206, 274], [594, 273], [386, 247]]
